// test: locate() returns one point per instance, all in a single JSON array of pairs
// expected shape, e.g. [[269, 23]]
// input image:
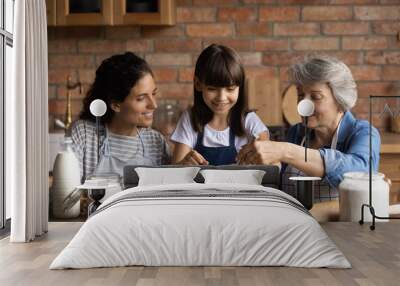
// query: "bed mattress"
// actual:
[[201, 225]]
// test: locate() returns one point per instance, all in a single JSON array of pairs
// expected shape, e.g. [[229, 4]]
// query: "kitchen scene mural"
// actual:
[[268, 35]]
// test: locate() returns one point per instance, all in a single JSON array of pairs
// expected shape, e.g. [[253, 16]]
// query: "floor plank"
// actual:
[[374, 255]]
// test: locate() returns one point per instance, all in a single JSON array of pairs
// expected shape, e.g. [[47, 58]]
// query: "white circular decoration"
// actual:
[[305, 108], [98, 107]]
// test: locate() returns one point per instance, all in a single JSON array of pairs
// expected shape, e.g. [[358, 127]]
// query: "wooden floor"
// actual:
[[374, 255]]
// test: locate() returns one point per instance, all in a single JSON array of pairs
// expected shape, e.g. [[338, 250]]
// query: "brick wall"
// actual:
[[268, 34]]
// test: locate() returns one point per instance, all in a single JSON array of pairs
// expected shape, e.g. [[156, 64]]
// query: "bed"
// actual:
[[201, 224]]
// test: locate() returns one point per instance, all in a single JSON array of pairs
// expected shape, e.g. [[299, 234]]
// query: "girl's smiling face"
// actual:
[[220, 100]]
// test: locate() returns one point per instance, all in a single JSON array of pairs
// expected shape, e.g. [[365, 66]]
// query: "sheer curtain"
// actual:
[[27, 124]]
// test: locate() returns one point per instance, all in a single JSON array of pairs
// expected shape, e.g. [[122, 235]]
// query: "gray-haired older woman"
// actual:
[[339, 143]]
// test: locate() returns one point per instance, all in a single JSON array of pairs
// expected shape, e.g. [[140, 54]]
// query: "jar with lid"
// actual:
[[354, 192]]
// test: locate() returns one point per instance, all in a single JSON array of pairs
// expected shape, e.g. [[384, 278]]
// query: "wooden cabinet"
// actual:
[[110, 12], [51, 12], [390, 163], [130, 12], [84, 13]]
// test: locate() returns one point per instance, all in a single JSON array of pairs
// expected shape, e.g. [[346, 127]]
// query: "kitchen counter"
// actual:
[[390, 163], [390, 143]]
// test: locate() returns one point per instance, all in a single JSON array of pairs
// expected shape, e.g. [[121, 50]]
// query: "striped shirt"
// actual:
[[84, 140]]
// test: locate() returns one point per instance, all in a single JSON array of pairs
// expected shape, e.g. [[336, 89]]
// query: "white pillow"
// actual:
[[163, 176], [249, 177]]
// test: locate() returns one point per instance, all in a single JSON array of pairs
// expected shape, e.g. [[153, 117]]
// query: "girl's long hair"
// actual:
[[219, 66]]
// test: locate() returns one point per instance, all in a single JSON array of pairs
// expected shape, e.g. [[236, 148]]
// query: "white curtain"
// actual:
[[27, 124]]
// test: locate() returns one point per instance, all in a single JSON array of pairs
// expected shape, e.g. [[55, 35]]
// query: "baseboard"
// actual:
[[5, 231]]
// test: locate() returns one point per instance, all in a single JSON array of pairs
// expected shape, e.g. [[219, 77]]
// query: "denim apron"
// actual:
[[216, 156], [111, 164], [322, 190]]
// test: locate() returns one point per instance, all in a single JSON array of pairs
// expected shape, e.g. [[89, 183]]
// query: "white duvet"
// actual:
[[206, 230]]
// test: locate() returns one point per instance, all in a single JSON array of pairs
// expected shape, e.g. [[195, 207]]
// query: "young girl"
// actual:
[[217, 126]]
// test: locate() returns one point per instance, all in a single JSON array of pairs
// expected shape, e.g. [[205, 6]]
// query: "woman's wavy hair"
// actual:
[[115, 78], [330, 70], [219, 66]]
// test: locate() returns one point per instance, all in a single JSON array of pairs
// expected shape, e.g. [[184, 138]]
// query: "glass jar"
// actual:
[[111, 182], [165, 119]]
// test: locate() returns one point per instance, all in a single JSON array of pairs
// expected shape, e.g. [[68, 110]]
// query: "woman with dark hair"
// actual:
[[125, 83], [217, 125]]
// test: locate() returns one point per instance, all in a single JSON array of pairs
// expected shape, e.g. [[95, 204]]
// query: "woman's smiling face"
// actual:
[[326, 106], [138, 107]]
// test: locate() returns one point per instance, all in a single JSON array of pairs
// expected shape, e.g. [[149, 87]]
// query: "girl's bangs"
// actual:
[[222, 72]]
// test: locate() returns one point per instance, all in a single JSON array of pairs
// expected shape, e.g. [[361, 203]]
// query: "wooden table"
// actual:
[[390, 163]]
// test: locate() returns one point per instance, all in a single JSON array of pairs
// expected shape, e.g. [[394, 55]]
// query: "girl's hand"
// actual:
[[193, 158], [261, 153]]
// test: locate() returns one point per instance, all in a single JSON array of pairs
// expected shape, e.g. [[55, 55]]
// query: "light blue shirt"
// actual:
[[352, 150]]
